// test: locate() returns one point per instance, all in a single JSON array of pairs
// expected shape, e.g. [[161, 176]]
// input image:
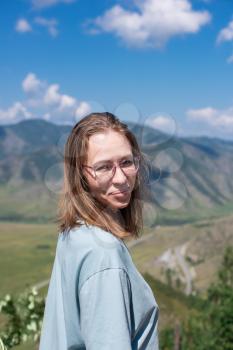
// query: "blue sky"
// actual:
[[165, 63]]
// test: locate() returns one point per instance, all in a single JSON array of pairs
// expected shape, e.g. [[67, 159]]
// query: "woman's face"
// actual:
[[109, 146]]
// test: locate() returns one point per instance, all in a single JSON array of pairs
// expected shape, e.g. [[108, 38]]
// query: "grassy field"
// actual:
[[27, 254], [26, 346], [26, 257]]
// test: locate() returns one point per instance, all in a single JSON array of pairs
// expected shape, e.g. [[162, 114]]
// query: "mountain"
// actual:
[[190, 177]]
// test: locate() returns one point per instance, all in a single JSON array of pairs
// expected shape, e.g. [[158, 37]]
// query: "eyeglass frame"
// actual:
[[113, 168]]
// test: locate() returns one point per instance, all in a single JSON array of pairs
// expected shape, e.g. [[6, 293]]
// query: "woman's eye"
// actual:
[[127, 162], [103, 167]]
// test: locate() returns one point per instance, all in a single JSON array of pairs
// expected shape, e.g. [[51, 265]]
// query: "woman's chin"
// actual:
[[116, 203], [119, 205]]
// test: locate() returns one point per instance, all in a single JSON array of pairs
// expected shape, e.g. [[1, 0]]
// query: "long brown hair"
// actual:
[[76, 201]]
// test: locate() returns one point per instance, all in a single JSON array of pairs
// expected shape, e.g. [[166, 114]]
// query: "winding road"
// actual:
[[185, 269], [144, 238], [179, 256]]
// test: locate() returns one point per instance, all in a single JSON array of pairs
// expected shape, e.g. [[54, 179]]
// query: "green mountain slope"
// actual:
[[189, 177]]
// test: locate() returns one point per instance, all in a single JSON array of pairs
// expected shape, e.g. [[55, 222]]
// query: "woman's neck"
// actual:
[[115, 214]]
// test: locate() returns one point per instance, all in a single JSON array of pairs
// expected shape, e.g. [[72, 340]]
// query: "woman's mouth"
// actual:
[[120, 193]]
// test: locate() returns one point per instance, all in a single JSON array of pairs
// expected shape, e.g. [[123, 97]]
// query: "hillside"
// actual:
[[28, 252], [190, 178]]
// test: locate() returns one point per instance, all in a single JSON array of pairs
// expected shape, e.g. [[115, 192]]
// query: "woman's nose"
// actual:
[[119, 174]]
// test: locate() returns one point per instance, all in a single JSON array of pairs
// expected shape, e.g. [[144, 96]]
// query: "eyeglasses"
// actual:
[[103, 172]]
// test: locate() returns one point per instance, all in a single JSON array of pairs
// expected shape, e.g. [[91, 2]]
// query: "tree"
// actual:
[[220, 296], [213, 327], [25, 314]]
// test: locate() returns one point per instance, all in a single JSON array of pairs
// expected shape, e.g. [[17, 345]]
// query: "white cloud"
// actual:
[[163, 122], [23, 26], [14, 113], [67, 102], [214, 118], [226, 34], [39, 4], [153, 23], [53, 97], [230, 59], [49, 24], [44, 101], [207, 114], [31, 83], [47, 116], [83, 109]]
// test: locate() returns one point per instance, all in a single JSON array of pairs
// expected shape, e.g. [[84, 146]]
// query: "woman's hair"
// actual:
[[76, 201]]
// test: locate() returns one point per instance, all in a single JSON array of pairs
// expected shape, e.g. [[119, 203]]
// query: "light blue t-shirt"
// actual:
[[97, 299]]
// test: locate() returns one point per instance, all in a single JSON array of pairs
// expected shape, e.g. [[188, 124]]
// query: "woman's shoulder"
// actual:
[[93, 244], [87, 250], [90, 235]]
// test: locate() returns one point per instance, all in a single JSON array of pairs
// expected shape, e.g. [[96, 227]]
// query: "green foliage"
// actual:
[[25, 315], [166, 338], [2, 346], [221, 305], [209, 327], [213, 327], [158, 287]]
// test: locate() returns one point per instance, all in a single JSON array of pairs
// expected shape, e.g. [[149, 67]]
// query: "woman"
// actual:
[[97, 299]]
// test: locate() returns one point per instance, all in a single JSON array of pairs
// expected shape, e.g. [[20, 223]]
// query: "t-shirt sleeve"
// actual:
[[105, 310]]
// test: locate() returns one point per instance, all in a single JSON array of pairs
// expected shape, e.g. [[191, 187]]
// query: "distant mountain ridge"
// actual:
[[200, 168]]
